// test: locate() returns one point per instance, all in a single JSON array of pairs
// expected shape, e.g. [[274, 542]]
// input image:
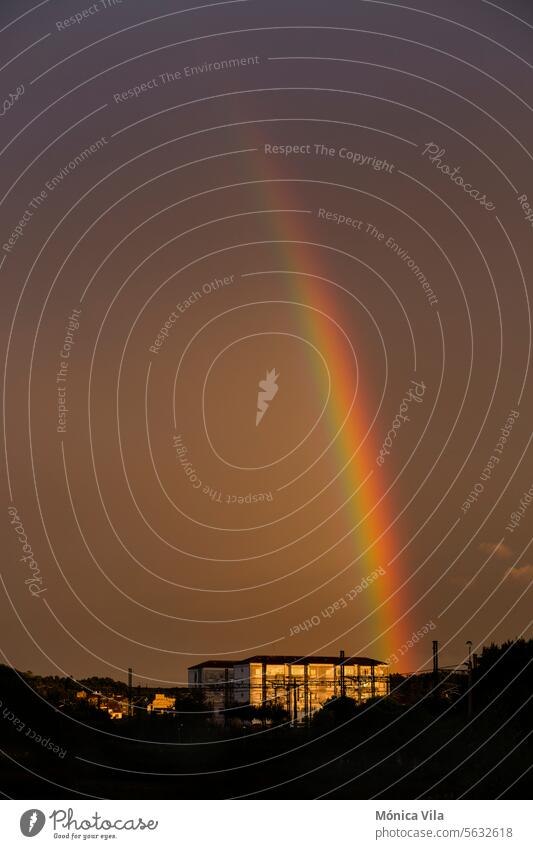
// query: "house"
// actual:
[[161, 703]]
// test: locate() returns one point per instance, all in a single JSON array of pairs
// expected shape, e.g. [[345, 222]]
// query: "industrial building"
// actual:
[[215, 678], [300, 685]]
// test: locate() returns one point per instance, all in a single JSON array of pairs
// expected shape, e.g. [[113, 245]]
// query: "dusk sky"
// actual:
[[333, 199]]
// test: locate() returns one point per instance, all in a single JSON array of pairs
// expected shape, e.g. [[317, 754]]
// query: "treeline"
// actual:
[[433, 747], [503, 681]]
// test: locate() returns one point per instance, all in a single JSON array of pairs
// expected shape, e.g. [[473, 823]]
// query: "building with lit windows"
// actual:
[[215, 678], [161, 703], [299, 685]]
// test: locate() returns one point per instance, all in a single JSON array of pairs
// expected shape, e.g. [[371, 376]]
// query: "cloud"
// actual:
[[458, 581], [498, 549], [518, 571], [522, 572]]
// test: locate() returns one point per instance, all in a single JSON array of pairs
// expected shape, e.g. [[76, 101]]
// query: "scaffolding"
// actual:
[[301, 694]]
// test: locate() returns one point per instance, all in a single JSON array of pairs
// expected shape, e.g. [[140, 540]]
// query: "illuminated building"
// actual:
[[215, 677], [161, 704], [299, 685]]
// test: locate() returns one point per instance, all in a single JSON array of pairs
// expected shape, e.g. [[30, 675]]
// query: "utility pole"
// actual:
[[130, 689], [435, 665], [469, 644], [343, 682], [307, 712]]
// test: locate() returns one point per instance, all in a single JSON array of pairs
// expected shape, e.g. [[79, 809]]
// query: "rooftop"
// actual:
[[295, 660]]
